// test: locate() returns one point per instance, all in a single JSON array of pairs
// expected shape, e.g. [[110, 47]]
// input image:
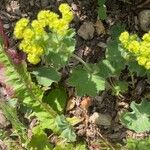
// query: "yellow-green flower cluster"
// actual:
[[140, 48], [19, 28], [33, 34]]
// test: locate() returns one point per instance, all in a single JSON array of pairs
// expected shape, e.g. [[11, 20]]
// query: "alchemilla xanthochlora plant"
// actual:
[[49, 43], [139, 49], [36, 42]]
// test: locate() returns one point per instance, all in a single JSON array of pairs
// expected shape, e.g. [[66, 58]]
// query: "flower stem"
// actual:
[[83, 62]]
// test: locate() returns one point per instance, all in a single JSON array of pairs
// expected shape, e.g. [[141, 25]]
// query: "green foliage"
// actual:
[[39, 140], [136, 68], [11, 115], [138, 144], [31, 97], [56, 99], [60, 49], [120, 87], [65, 128], [88, 79], [86, 82], [113, 53], [46, 75], [116, 30], [102, 12], [137, 120], [67, 146], [106, 69]]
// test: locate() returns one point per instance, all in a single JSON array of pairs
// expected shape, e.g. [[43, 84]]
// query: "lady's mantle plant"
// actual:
[[137, 48], [48, 35]]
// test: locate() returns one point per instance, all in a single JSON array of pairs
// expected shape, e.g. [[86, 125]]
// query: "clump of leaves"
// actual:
[[138, 144], [138, 119]]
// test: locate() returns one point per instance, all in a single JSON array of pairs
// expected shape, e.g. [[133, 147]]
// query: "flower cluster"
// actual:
[[33, 35], [139, 48]]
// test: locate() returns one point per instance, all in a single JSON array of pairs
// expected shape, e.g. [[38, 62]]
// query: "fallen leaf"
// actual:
[[85, 103], [71, 104], [100, 29]]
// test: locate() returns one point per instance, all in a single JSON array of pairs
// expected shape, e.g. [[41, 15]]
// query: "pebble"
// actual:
[[6, 26], [44, 3], [86, 30], [102, 45], [144, 19], [100, 119]]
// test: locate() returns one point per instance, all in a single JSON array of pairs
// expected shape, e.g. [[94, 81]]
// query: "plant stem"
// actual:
[[132, 80], [82, 61]]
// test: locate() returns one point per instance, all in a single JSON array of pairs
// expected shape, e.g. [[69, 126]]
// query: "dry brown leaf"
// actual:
[[71, 104], [86, 102], [100, 29]]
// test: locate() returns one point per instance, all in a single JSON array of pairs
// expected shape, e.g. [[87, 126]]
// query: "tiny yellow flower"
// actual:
[[25, 46], [60, 26], [146, 37], [64, 7], [66, 11], [145, 48], [147, 66], [45, 17], [28, 34], [134, 46], [124, 38], [141, 60], [37, 50], [133, 37], [19, 27], [33, 59]]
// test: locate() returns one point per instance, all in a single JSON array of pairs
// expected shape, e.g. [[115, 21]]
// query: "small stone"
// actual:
[[6, 26], [15, 7], [31, 2], [144, 19], [86, 30], [44, 3], [101, 119], [74, 7], [102, 44]]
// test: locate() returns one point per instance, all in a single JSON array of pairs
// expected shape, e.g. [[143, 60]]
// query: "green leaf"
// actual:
[[39, 140], [65, 128], [106, 69], [85, 82], [137, 120], [71, 146], [60, 49], [69, 134], [56, 99], [116, 30], [81, 146], [74, 120], [138, 144], [113, 55], [136, 68], [120, 87], [46, 76], [102, 9]]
